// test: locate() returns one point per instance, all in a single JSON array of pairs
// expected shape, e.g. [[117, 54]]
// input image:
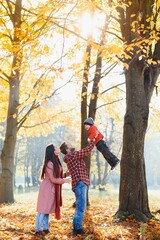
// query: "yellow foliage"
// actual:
[[84, 94], [92, 96], [126, 65], [85, 57], [112, 49], [4, 91], [14, 115], [148, 19], [42, 44], [127, 56], [84, 80], [133, 15], [46, 49]]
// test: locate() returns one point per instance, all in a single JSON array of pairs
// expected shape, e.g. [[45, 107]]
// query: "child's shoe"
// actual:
[[117, 162]]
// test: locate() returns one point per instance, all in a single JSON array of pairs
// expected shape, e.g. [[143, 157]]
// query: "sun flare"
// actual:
[[87, 24]]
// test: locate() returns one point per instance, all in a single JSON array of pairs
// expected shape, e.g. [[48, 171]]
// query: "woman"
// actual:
[[50, 192]]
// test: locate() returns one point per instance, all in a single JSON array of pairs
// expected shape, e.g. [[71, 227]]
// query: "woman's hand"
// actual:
[[67, 180], [67, 173]]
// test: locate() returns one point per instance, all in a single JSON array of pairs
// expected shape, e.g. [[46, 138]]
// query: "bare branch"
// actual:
[[22, 120], [112, 88], [111, 67], [110, 103], [114, 34], [10, 13], [64, 29], [3, 73], [47, 121]]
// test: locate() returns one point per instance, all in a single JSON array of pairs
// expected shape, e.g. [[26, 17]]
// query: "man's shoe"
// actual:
[[78, 231], [117, 162], [46, 231], [39, 234], [74, 204]]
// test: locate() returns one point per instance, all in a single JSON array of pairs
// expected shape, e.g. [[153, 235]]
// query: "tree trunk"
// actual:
[[8, 150], [7, 156], [133, 187], [84, 99], [94, 93], [141, 77]]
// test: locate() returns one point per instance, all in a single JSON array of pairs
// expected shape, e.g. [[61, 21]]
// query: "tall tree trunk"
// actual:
[[8, 150], [141, 78], [7, 156], [94, 93], [84, 95], [133, 187], [84, 106], [95, 87]]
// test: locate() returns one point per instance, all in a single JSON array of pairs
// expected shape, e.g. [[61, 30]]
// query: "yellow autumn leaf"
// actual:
[[84, 94], [149, 61], [92, 96], [84, 80], [45, 101], [46, 49], [126, 65], [148, 19]]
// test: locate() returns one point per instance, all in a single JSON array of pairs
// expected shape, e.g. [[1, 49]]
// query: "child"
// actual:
[[93, 133], [50, 192]]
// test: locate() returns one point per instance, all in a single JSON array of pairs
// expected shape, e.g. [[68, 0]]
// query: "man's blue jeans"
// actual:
[[42, 221], [80, 191]]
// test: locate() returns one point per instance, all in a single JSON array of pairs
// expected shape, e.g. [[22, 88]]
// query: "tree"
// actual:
[[6, 183], [141, 40], [89, 101], [90, 111], [101, 56], [21, 39]]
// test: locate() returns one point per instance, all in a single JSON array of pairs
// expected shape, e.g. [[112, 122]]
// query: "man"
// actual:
[[80, 180]]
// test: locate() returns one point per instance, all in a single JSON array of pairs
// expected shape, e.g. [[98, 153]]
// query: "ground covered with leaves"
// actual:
[[17, 220]]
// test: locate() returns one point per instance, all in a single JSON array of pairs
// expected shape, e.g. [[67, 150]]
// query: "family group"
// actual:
[[52, 177]]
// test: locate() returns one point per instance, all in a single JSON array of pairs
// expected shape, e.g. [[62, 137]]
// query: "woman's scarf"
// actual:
[[58, 190]]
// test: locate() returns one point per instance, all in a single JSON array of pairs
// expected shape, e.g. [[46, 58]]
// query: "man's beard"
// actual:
[[72, 149]]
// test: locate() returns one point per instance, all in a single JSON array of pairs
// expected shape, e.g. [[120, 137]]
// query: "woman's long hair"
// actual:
[[49, 156]]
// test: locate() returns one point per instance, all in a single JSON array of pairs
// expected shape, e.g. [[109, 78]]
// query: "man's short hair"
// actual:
[[63, 148]]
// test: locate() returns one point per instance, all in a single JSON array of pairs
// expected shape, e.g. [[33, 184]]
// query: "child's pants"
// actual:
[[110, 157], [42, 221]]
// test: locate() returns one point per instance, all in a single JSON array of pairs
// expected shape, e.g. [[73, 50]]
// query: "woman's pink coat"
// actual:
[[46, 195]]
